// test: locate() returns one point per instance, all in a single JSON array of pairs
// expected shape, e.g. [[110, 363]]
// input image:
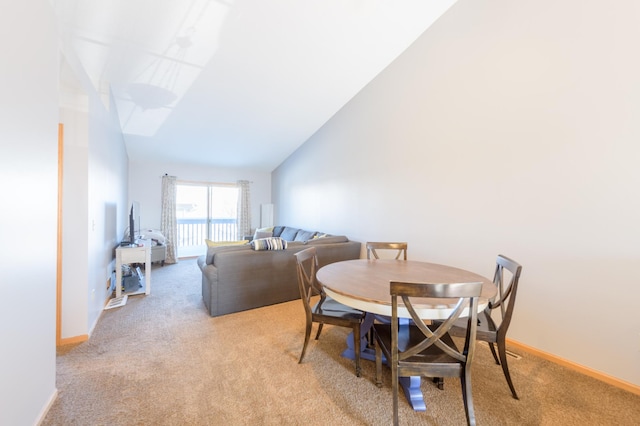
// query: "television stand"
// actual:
[[139, 253]]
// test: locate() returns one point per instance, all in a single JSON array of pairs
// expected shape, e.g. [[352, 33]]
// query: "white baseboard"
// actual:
[[47, 407]]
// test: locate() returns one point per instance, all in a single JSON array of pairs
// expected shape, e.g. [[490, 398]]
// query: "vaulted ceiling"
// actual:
[[234, 83]]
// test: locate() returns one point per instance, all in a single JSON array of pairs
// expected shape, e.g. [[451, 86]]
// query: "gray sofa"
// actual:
[[237, 277]]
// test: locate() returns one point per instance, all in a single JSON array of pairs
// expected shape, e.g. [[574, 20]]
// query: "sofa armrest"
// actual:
[[202, 261], [209, 285]]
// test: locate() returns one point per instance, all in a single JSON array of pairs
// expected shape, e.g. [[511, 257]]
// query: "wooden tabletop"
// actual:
[[364, 284]]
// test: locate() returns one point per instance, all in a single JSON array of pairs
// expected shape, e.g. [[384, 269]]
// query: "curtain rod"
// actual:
[[196, 182]]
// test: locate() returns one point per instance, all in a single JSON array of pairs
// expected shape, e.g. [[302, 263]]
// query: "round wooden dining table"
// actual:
[[364, 284]]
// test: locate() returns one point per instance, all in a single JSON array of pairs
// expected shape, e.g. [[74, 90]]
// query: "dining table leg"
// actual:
[[366, 352], [410, 385], [413, 393]]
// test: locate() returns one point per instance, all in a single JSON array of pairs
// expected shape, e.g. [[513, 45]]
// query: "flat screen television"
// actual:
[[134, 219]]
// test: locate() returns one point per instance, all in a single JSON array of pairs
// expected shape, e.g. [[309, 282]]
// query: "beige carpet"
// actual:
[[161, 360]]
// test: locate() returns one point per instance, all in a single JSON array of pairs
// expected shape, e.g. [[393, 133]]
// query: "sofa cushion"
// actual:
[[289, 234], [303, 235], [263, 233], [224, 243], [216, 248], [273, 243], [277, 230]]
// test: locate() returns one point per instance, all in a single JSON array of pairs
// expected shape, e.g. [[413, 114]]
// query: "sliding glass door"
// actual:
[[205, 211]]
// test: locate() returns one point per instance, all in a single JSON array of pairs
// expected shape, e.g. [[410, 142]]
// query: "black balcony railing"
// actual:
[[192, 232]]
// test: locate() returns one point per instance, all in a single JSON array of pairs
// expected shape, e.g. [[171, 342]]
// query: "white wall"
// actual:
[[95, 198], [145, 186], [29, 170], [75, 259], [508, 127], [108, 215]]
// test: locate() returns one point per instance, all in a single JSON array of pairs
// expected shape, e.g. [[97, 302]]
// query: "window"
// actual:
[[205, 211]]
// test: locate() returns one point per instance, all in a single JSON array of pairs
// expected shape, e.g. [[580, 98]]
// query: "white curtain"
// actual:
[[244, 209], [168, 222]]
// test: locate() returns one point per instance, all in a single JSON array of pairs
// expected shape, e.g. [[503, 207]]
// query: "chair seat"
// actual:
[[486, 328], [335, 309], [432, 355]]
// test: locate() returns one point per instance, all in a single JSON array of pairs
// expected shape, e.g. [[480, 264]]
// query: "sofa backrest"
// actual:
[[335, 248], [327, 240]]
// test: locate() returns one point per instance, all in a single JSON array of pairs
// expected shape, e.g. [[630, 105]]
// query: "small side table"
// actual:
[[134, 254]]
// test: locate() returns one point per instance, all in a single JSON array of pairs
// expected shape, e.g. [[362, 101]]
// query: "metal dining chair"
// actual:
[[372, 253], [428, 350], [493, 328], [327, 310], [373, 246]]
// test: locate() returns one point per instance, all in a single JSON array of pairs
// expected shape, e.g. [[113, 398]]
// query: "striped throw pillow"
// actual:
[[273, 243]]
